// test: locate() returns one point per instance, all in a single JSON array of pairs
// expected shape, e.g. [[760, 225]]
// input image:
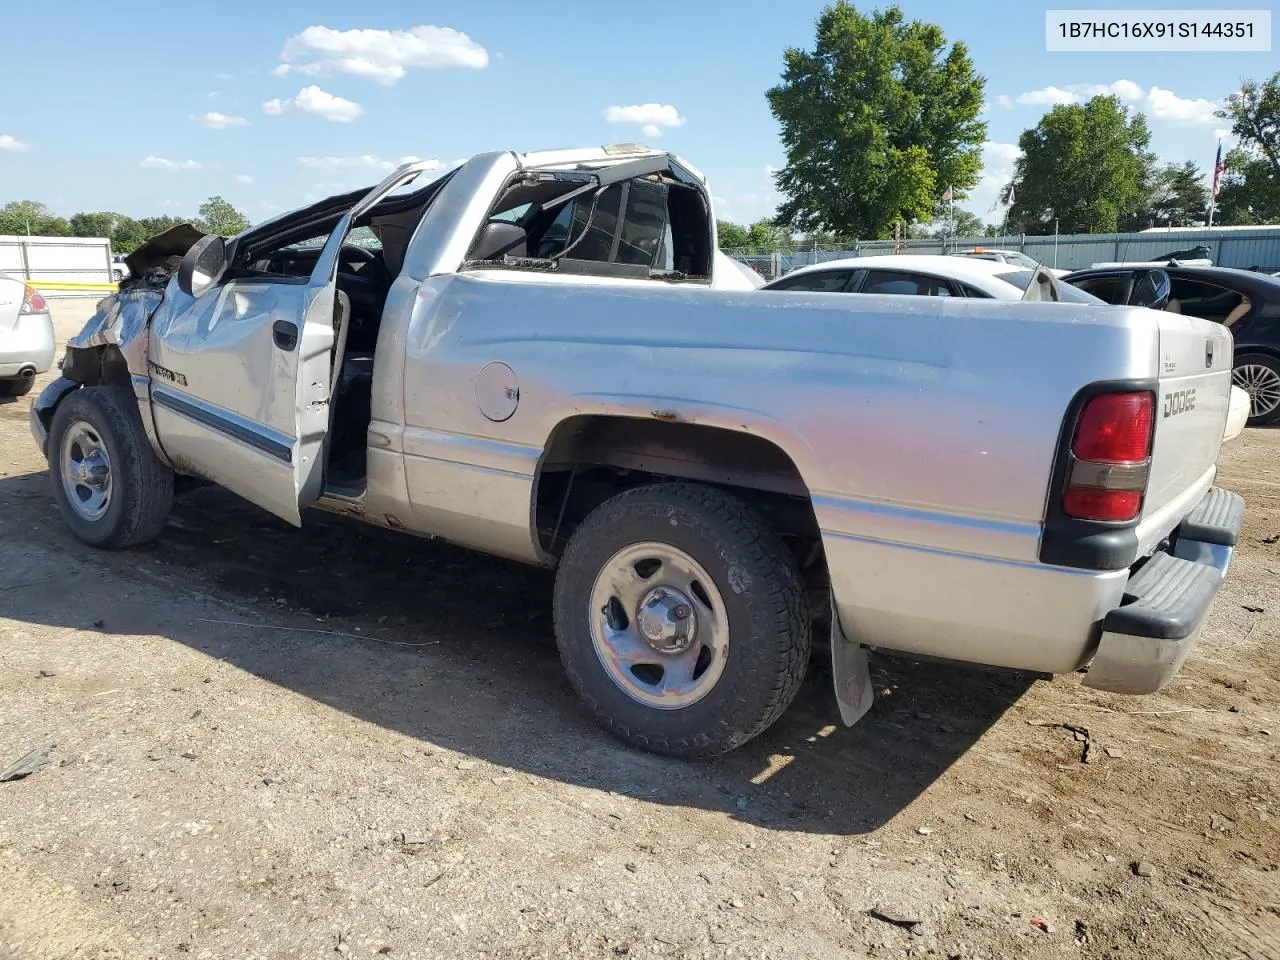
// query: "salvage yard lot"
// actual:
[[341, 741]]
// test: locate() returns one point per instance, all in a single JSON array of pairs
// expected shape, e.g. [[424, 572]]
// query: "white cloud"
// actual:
[[384, 56], [160, 163], [1221, 133], [1167, 105], [13, 144], [1000, 154], [770, 170], [220, 121], [1124, 89], [1161, 104], [652, 130], [647, 115], [311, 99], [244, 178], [223, 76], [1047, 97], [365, 161], [1004, 100]]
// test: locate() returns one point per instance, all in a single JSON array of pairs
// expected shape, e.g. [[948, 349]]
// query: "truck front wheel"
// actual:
[[111, 488], [681, 619]]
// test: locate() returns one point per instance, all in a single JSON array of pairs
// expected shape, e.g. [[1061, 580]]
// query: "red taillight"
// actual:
[[32, 302], [1110, 456], [1091, 503], [1115, 428]]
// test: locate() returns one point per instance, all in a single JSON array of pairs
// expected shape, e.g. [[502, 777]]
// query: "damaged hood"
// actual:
[[161, 250]]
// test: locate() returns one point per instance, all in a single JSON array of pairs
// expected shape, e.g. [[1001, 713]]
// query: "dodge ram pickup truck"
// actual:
[[529, 356]]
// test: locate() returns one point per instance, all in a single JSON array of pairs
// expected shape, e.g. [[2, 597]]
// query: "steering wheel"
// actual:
[[350, 253]]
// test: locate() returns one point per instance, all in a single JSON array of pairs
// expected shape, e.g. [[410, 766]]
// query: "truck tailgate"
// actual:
[[1190, 418]]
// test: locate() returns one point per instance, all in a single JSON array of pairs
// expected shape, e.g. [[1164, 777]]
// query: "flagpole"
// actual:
[[1213, 185], [952, 194]]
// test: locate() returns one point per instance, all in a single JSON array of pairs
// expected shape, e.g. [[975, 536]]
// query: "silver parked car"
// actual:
[[26, 336]]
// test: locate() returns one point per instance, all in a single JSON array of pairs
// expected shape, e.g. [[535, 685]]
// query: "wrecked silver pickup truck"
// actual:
[[528, 356]]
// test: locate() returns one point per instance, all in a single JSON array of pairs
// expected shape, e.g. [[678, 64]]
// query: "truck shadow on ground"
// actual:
[[460, 653]]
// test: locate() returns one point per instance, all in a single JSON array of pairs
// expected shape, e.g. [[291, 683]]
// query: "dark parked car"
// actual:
[[1246, 302]]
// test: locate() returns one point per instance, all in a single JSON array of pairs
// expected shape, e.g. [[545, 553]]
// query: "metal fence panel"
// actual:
[[1228, 247]]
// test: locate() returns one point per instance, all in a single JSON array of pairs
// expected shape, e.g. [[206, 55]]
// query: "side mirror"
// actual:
[[1152, 290], [203, 265]]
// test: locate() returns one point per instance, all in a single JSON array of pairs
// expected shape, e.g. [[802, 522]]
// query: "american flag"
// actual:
[[946, 197], [1218, 168]]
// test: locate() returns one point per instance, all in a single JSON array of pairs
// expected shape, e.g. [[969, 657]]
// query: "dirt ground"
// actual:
[[279, 743]]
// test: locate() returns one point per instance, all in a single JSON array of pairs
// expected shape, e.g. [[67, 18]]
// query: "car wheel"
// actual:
[[681, 619], [111, 488], [16, 388], [117, 275], [1259, 376]]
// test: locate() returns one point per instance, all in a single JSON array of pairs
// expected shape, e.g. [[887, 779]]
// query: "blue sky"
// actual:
[[274, 104]]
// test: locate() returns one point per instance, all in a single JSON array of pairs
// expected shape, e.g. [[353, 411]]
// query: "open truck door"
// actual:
[[241, 368]]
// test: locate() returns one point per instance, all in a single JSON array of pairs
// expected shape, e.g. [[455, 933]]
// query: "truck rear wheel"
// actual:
[[681, 619], [111, 488]]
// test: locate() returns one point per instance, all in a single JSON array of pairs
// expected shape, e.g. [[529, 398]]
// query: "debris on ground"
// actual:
[[28, 763], [903, 920], [1081, 735], [1144, 869], [1042, 925]]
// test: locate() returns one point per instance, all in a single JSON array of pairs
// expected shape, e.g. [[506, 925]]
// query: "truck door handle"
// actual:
[[285, 334]]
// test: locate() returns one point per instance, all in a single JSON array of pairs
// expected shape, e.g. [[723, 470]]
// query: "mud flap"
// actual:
[[851, 672]]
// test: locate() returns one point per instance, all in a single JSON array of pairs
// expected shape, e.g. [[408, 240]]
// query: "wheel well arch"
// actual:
[[589, 458], [96, 366]]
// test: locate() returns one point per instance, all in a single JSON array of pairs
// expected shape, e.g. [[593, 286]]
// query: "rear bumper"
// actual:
[[29, 345], [1148, 637]]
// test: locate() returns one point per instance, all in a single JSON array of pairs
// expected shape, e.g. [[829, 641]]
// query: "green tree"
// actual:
[[23, 217], [877, 120], [1084, 165], [1251, 183], [1180, 198], [730, 235], [218, 216], [767, 233], [1254, 112], [1250, 191], [967, 225]]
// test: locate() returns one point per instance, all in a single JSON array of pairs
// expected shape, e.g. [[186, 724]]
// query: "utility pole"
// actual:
[[1055, 243]]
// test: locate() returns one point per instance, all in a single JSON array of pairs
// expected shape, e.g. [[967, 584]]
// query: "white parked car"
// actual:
[[1015, 257], [928, 275], [26, 336]]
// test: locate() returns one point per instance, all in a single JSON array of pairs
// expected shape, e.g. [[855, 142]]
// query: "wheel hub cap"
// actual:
[[666, 620], [659, 625], [86, 471]]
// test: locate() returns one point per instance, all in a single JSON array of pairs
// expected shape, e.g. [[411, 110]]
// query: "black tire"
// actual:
[[16, 388], [1261, 360], [142, 486], [769, 627]]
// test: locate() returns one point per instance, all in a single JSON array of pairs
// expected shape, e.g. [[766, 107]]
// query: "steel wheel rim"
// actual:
[[653, 654], [1262, 384], [86, 471]]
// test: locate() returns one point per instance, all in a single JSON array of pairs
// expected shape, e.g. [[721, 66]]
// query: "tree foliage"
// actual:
[[1251, 185], [1176, 196], [125, 233], [762, 233], [218, 216], [1085, 165], [877, 120], [31, 217]]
